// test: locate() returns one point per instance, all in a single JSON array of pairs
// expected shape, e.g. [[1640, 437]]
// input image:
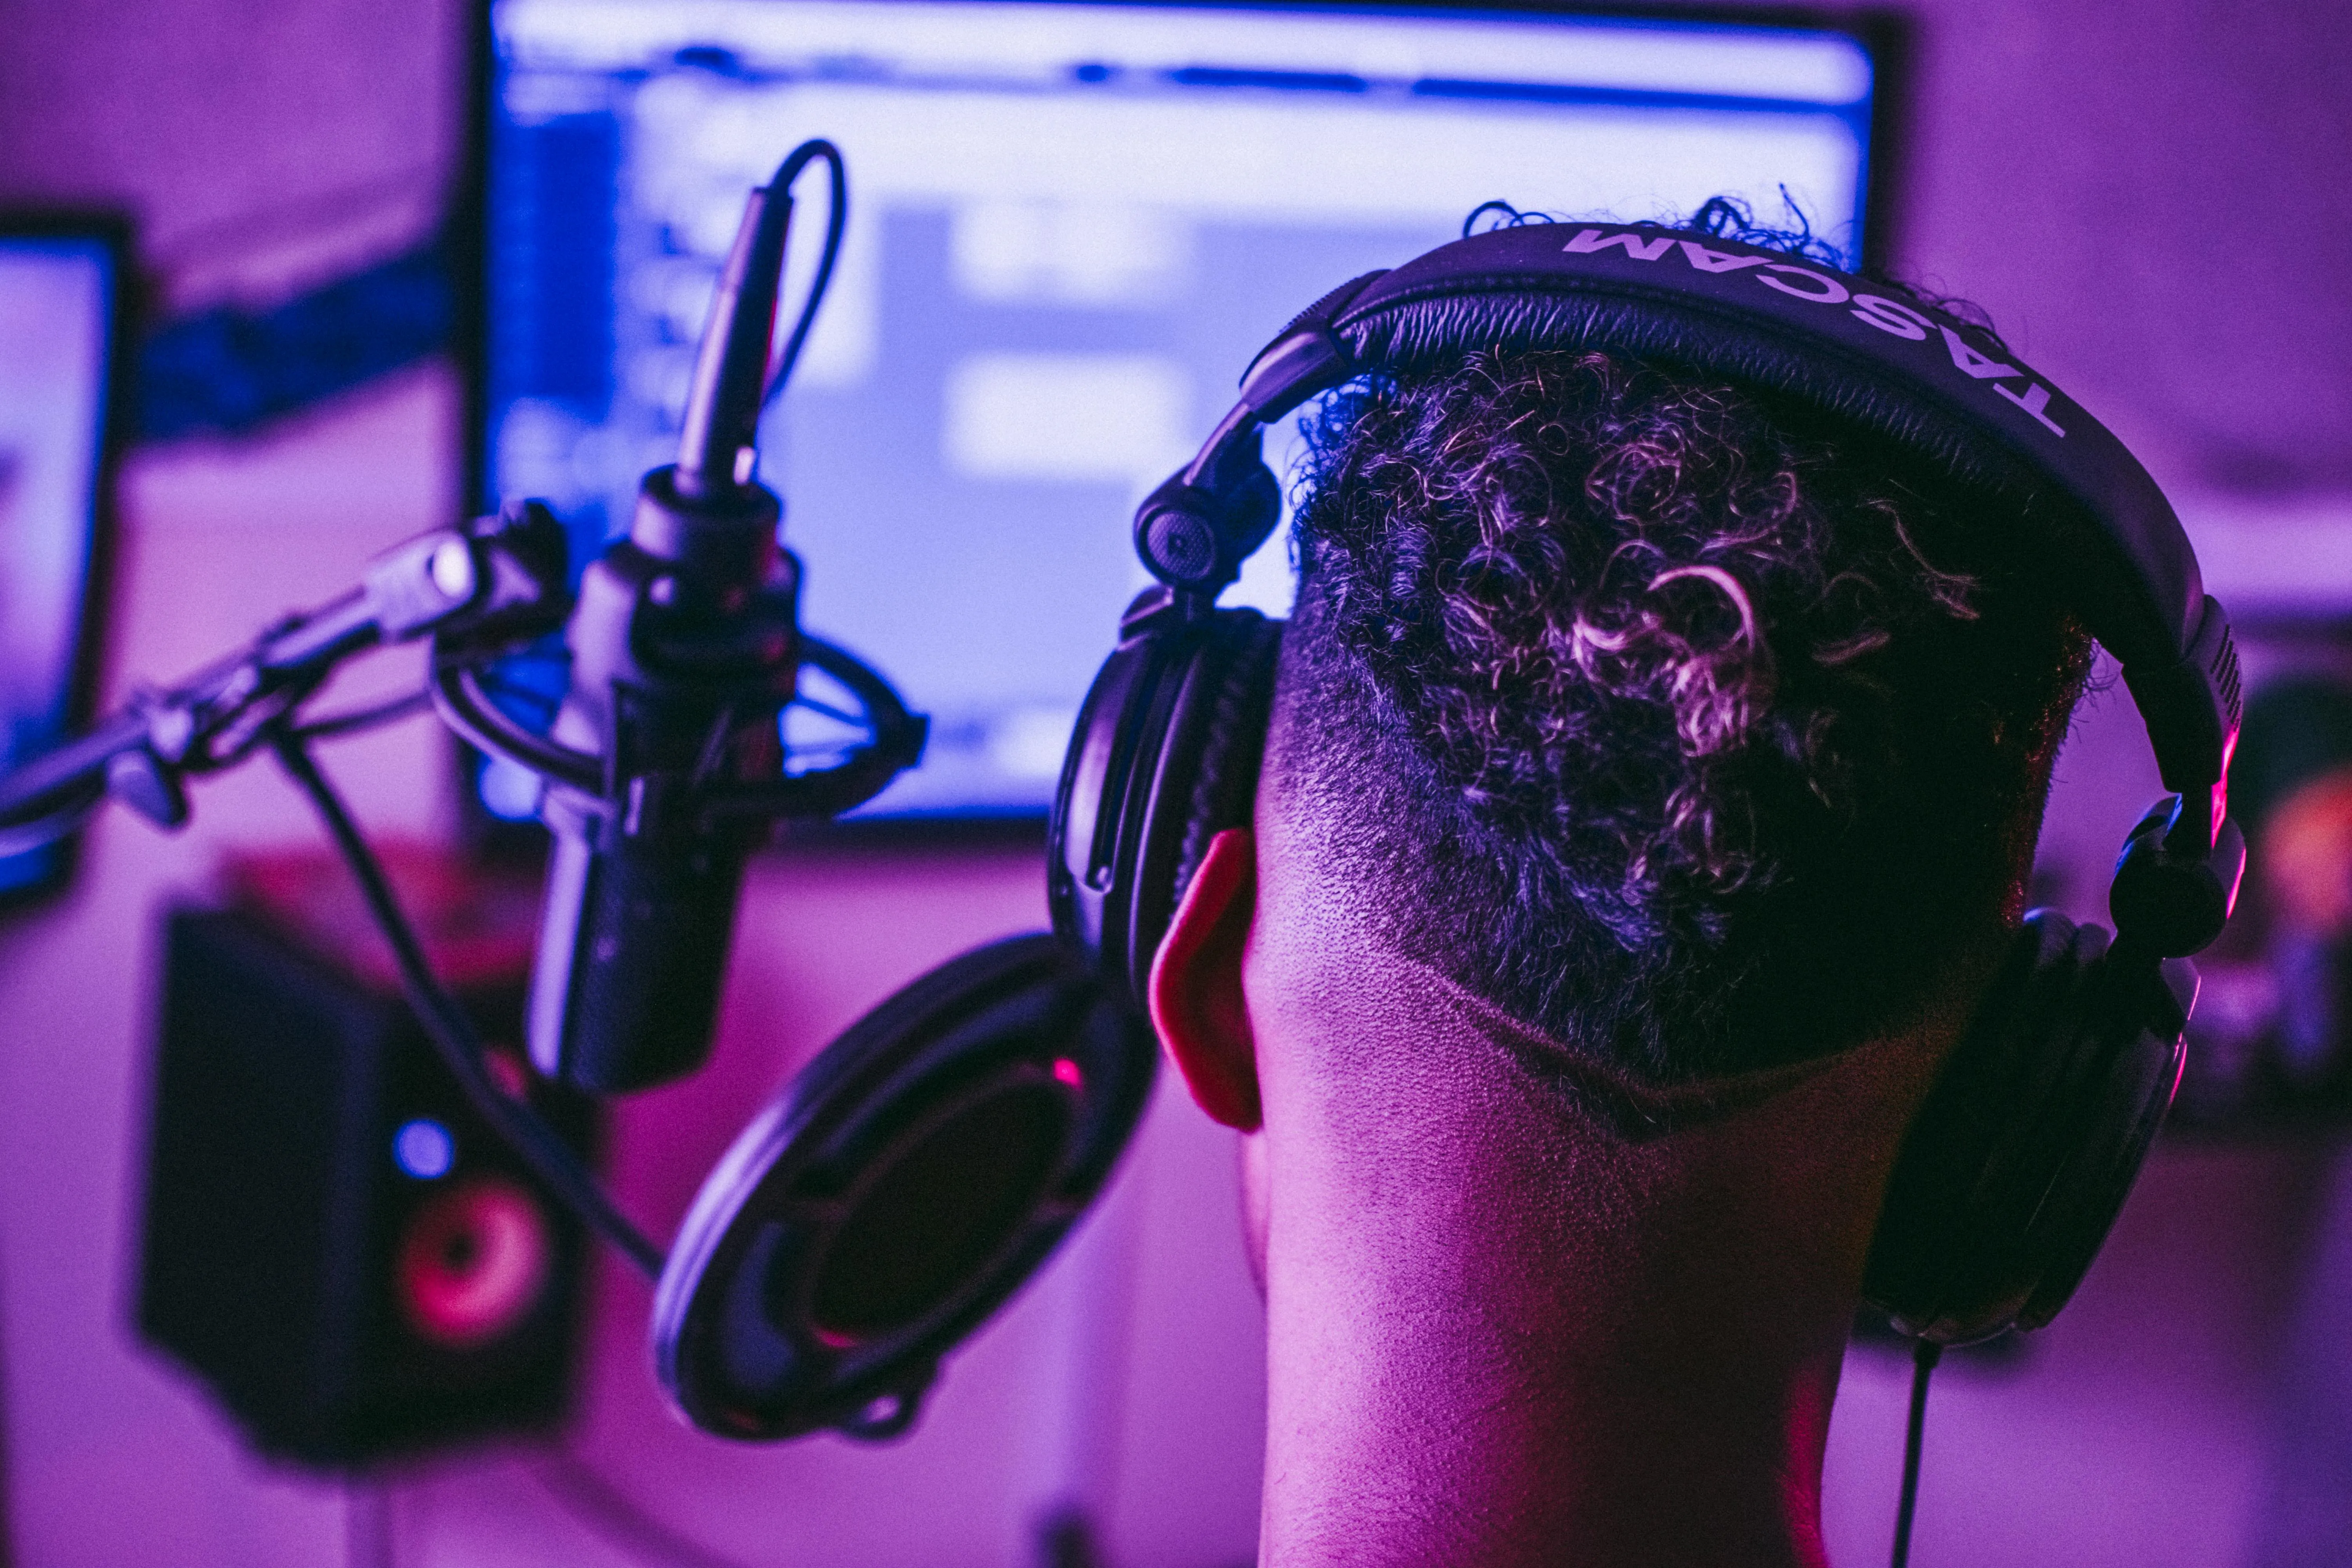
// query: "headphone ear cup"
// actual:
[[1237, 696], [2139, 1016], [1927, 1268], [1165, 757], [2021, 1155]]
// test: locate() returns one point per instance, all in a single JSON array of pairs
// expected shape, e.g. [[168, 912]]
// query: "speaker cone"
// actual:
[[473, 1261]]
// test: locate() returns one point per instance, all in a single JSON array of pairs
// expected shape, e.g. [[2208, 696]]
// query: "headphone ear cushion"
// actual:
[[2023, 1152], [1207, 779], [1231, 746], [1935, 1263], [1165, 757], [2136, 1018]]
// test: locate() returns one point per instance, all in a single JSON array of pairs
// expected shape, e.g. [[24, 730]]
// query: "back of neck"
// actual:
[[1503, 1333]]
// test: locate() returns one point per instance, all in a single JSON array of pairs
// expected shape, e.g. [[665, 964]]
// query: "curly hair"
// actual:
[[1673, 719]]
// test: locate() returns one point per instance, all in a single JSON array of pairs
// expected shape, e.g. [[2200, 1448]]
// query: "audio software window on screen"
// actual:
[[1071, 226]]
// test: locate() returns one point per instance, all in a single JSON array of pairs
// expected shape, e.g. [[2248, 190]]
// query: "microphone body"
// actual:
[[685, 647], [667, 761]]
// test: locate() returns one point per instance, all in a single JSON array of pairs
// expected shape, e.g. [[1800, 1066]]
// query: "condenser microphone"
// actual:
[[684, 648]]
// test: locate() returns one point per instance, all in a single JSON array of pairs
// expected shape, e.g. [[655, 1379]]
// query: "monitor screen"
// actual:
[[58, 322], [1071, 226]]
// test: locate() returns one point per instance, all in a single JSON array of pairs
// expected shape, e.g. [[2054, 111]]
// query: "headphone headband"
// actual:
[[1769, 319]]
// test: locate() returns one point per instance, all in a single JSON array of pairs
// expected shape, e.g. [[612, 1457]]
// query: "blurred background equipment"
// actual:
[[64, 291], [333, 1239], [2275, 1065], [2275, 1050], [1075, 221]]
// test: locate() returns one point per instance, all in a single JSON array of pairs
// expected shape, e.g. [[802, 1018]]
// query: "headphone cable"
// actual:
[[1925, 1354], [836, 219]]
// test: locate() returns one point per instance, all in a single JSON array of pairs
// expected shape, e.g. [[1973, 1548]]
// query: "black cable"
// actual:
[[1925, 1354], [452, 1032], [366, 718], [836, 219], [801, 699]]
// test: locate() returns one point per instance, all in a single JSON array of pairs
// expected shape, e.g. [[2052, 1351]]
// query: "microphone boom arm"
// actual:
[[497, 581]]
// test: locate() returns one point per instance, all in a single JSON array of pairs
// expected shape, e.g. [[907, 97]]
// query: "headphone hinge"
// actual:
[[1161, 608], [2169, 900]]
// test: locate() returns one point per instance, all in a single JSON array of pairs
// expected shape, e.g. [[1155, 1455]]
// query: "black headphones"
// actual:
[[2019, 1158]]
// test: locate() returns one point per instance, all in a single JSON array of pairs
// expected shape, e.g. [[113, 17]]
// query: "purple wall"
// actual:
[[2149, 198]]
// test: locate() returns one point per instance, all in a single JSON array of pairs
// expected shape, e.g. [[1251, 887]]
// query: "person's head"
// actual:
[[1667, 719], [1675, 723]]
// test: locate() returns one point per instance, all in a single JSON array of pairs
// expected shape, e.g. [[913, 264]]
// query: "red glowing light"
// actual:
[[473, 1262], [1066, 1071], [505, 1065]]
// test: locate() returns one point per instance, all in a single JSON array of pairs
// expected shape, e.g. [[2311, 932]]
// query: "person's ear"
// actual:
[[1196, 983]]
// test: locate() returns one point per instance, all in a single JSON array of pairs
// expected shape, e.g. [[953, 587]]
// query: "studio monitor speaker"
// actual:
[[332, 1240]]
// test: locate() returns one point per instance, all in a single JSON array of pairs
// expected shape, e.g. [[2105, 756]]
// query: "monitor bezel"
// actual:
[[116, 234], [1885, 35]]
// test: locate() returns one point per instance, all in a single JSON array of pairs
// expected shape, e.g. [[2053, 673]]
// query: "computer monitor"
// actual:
[[1071, 226], [61, 329]]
